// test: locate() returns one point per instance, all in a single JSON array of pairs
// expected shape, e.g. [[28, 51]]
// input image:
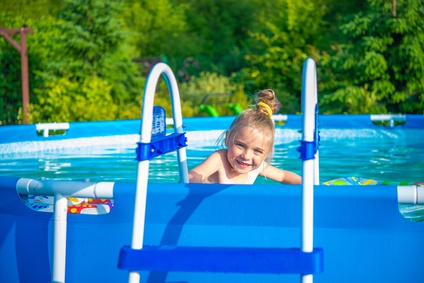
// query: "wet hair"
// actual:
[[258, 118]]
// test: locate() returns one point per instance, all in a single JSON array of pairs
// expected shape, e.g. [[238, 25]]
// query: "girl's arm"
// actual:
[[279, 175], [202, 172]]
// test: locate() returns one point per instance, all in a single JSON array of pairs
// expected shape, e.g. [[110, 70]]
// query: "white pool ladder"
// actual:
[[304, 261], [145, 138]]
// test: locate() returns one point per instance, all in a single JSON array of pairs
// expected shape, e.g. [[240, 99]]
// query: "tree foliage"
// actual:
[[40, 53], [94, 45], [84, 56], [219, 30], [289, 33], [90, 98], [75, 57], [153, 25], [381, 64]]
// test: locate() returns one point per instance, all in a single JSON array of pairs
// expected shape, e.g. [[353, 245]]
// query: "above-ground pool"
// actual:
[[364, 237]]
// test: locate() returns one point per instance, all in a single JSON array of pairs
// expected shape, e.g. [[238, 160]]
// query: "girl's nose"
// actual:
[[247, 154]]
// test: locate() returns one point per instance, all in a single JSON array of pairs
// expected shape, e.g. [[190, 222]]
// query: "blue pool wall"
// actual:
[[364, 237], [25, 133]]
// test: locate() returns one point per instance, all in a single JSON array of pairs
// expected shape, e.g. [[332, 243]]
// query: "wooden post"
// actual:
[[22, 48], [394, 8]]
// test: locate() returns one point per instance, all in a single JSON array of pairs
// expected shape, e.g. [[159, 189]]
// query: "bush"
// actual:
[[63, 100]]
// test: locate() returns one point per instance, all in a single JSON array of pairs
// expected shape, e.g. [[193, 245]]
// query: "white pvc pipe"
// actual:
[[410, 194], [311, 97], [309, 101], [143, 166], [59, 238], [46, 127], [66, 188], [388, 117]]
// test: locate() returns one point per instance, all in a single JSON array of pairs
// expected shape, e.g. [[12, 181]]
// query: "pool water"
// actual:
[[380, 154]]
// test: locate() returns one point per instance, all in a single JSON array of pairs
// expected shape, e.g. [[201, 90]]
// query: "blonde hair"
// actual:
[[258, 118]]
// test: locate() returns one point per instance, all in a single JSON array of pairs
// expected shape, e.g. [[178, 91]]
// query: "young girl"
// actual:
[[249, 141]]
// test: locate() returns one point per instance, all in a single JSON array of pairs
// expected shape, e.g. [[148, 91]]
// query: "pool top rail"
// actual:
[[22, 133]]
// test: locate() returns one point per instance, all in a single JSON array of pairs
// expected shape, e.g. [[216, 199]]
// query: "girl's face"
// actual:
[[247, 149]]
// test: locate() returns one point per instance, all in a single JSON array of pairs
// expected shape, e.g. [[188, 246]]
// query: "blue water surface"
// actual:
[[395, 154]]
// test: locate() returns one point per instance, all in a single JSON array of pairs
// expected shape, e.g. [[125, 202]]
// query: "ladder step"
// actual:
[[222, 260]]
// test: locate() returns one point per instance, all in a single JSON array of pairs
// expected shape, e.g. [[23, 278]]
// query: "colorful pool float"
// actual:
[[359, 181], [75, 205]]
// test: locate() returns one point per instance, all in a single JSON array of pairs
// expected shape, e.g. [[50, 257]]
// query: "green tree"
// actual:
[[90, 98], [289, 32], [29, 10], [90, 51], [220, 29], [94, 44], [380, 68], [157, 28], [193, 36], [84, 53], [333, 18]]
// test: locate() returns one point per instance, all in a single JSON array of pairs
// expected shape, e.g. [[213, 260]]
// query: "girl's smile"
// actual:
[[242, 164]]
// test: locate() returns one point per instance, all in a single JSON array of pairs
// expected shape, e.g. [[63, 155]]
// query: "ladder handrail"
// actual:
[[145, 137], [149, 92]]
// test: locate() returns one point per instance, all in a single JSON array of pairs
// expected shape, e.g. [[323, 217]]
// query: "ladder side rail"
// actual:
[[143, 167], [308, 112], [178, 121]]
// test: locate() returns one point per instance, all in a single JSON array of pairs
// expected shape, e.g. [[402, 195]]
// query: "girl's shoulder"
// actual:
[[220, 154]]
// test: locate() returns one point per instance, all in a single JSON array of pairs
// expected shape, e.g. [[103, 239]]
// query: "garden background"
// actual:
[[88, 59]]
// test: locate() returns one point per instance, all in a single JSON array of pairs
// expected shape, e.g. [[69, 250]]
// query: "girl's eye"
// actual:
[[258, 151], [240, 145]]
